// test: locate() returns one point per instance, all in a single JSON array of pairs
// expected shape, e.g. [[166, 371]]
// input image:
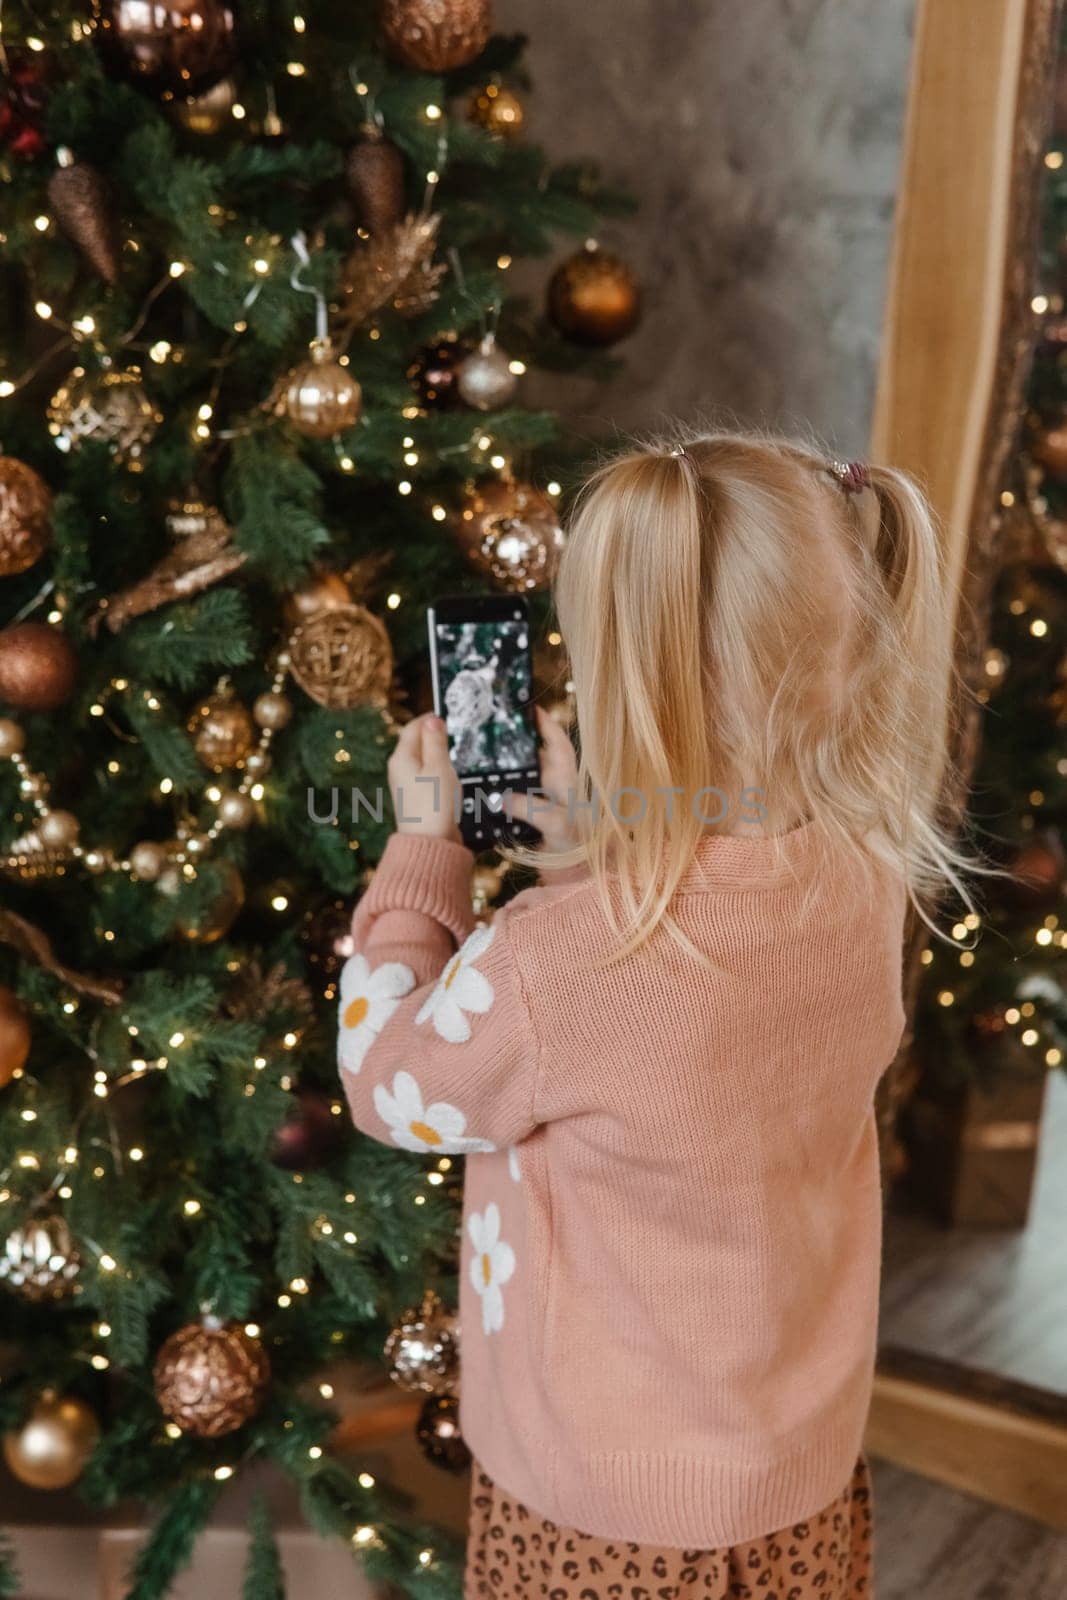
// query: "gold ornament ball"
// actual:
[[343, 658], [215, 920], [224, 734], [258, 763], [322, 398], [436, 35], [511, 532], [58, 830], [25, 508], [209, 112], [594, 298], [50, 1448], [111, 408], [272, 711], [12, 738], [327, 591], [423, 1349], [147, 860], [39, 1259], [497, 110], [211, 1378], [15, 1035], [236, 810], [38, 667]]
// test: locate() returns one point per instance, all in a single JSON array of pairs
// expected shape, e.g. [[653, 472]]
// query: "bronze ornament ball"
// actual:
[[38, 667], [511, 532], [15, 1035], [322, 398], [12, 738], [25, 508], [435, 35], [39, 1260], [167, 46], [147, 860], [433, 373], [437, 1431], [223, 732], [216, 919], [326, 591], [1050, 448], [211, 1378], [272, 710], [236, 809], [594, 298], [50, 1448]]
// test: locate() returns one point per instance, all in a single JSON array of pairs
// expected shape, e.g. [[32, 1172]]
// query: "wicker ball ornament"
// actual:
[[423, 1348], [343, 658], [51, 1446], [39, 1260], [511, 532], [223, 732], [594, 298], [211, 1378], [38, 667], [436, 35], [322, 398], [111, 408], [169, 47], [25, 507]]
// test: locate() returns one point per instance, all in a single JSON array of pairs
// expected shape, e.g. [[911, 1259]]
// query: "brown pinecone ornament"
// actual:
[[374, 173], [211, 1377], [82, 200]]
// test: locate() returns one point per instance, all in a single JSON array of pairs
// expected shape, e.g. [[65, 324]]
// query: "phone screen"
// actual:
[[484, 687]]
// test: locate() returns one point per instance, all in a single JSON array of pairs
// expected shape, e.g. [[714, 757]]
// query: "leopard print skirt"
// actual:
[[513, 1554]]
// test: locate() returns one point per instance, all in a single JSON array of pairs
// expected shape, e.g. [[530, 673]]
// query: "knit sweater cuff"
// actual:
[[417, 873]]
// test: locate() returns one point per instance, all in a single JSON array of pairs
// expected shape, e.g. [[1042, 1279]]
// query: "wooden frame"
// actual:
[[958, 338]]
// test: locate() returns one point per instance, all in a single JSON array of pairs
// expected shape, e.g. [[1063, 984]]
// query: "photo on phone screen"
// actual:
[[483, 691]]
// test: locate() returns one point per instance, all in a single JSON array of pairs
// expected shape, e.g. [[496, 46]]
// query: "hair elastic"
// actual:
[[852, 476]]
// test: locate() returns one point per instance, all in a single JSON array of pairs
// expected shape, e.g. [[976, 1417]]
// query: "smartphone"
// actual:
[[482, 669]]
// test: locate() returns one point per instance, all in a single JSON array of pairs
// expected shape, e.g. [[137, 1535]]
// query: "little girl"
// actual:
[[661, 1063]]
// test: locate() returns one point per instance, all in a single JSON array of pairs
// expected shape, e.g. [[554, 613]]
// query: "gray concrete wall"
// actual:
[[762, 138]]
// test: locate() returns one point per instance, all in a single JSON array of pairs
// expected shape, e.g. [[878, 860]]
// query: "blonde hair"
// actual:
[[736, 617]]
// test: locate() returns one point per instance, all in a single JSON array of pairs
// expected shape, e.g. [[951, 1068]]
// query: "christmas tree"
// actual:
[[993, 1001], [261, 396]]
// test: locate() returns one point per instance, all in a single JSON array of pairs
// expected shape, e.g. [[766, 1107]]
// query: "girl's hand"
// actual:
[[423, 781], [559, 780]]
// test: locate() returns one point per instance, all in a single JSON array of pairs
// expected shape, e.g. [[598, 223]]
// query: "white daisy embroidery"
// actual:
[[513, 1163], [437, 1128], [459, 989], [368, 1000], [492, 1264]]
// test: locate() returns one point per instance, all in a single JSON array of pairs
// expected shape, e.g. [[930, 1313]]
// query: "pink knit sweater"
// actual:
[[672, 1219]]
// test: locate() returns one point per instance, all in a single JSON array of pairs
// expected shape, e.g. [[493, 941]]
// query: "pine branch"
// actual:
[[170, 1544], [263, 1577]]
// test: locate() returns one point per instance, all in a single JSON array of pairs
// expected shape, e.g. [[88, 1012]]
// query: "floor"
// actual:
[[990, 1299], [935, 1544]]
